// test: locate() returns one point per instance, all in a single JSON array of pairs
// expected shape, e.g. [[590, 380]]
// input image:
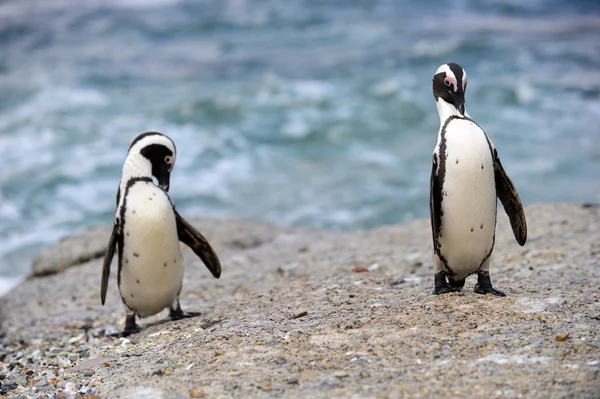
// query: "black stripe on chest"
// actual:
[[121, 243], [437, 194]]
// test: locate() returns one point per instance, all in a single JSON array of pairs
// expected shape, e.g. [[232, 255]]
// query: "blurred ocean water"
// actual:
[[301, 112]]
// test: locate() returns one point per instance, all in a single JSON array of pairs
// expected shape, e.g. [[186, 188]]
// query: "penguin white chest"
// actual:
[[468, 198], [151, 265]]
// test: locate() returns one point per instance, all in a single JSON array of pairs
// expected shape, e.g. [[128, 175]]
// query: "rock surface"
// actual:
[[311, 313]]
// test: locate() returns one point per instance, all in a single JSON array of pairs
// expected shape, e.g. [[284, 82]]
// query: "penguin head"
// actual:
[[153, 153], [450, 84]]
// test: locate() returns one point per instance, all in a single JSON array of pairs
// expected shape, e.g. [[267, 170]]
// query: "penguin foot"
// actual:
[[178, 314], [484, 285], [441, 286], [127, 332], [445, 290], [131, 327]]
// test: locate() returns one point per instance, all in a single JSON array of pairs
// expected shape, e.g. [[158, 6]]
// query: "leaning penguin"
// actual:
[[146, 233], [466, 178]]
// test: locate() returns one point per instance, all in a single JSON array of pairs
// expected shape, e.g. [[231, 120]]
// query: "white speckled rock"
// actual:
[[289, 318]]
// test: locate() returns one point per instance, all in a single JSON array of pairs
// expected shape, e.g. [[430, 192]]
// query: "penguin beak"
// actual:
[[459, 101], [163, 177]]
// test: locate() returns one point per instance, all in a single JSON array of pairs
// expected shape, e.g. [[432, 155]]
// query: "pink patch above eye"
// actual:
[[452, 82]]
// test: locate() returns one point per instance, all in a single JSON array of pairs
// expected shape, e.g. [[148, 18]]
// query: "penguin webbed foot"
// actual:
[[131, 327], [484, 285], [441, 285], [127, 332], [178, 314]]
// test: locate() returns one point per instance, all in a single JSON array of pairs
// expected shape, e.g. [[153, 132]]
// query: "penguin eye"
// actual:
[[447, 82], [168, 159]]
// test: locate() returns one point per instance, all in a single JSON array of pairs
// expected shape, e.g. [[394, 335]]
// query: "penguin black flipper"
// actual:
[[507, 193], [435, 202], [110, 252], [196, 241], [441, 285]]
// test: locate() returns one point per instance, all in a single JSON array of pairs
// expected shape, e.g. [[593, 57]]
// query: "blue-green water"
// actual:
[[309, 113]]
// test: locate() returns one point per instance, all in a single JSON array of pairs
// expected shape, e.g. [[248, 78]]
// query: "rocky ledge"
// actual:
[[311, 313]]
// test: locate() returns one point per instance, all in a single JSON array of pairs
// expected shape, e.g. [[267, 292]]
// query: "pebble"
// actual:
[[20, 390], [64, 362], [20, 380], [73, 357], [42, 383], [9, 386], [85, 390], [340, 374], [562, 337]]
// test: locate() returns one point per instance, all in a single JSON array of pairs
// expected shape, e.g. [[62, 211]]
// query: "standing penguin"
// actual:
[[466, 178], [147, 231]]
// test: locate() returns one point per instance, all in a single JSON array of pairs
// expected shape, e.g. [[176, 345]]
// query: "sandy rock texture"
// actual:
[[308, 313]]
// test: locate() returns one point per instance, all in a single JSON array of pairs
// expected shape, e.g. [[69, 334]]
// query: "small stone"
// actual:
[[219, 352], [299, 315], [340, 374], [373, 267], [85, 390], [20, 380], [89, 373], [446, 347], [197, 393], [360, 269], [42, 383], [562, 337], [9, 387], [158, 372], [73, 357], [64, 362], [70, 387], [20, 390], [168, 372], [266, 388]]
